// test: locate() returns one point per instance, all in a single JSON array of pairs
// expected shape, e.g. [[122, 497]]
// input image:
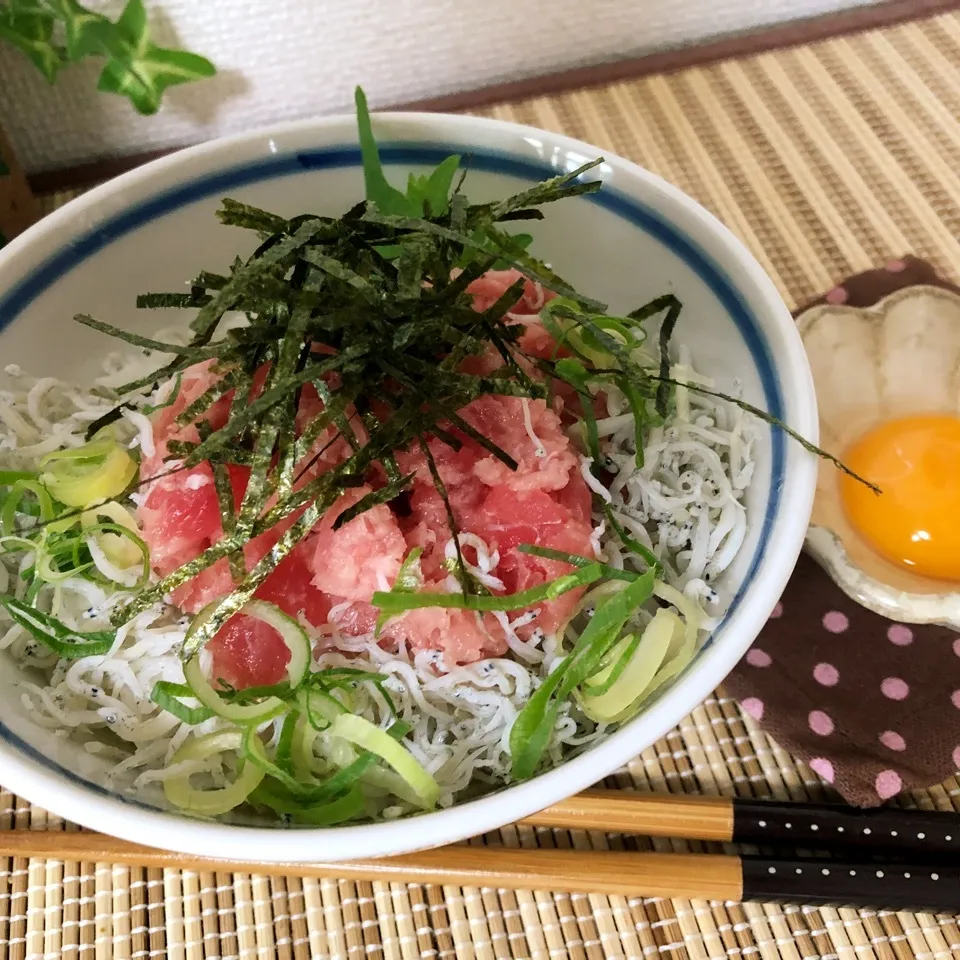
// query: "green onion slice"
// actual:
[[319, 707], [14, 544], [60, 562], [630, 542], [99, 470], [367, 736], [302, 757], [118, 549], [326, 814], [11, 505], [578, 560], [67, 643], [10, 477], [292, 634], [169, 696], [611, 669], [219, 800], [252, 750], [532, 728], [120, 534], [603, 701], [391, 604]]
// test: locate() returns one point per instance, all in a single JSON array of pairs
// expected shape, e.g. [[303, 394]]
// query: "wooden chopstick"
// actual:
[[919, 834], [667, 875], [686, 876], [649, 814], [888, 836]]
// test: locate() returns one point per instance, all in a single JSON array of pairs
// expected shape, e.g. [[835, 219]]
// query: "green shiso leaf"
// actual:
[[387, 198]]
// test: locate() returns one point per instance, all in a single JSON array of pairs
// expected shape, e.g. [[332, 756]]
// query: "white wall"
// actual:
[[282, 59]]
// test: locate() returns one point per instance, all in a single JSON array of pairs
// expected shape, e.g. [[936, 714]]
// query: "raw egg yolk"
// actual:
[[916, 521]]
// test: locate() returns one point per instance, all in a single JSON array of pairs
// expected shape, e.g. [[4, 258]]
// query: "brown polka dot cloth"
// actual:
[[870, 705]]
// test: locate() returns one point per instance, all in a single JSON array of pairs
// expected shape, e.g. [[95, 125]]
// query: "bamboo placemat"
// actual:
[[827, 160]]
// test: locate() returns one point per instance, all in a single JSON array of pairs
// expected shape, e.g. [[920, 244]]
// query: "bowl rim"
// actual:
[[53, 789]]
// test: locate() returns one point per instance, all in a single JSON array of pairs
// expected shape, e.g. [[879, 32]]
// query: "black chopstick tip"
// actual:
[[884, 831], [891, 886]]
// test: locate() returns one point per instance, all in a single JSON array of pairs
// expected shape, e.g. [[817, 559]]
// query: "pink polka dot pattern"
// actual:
[[835, 621], [888, 784], [823, 768], [888, 706], [827, 674], [900, 634], [893, 741], [820, 723], [759, 658], [753, 707], [895, 689], [837, 295]]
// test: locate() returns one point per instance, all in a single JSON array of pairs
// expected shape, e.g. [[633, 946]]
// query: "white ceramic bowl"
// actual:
[[154, 228]]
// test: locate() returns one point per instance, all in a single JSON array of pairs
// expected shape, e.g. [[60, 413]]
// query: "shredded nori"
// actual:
[[371, 311]]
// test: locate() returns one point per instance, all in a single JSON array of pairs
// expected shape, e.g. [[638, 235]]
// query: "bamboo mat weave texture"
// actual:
[[827, 160]]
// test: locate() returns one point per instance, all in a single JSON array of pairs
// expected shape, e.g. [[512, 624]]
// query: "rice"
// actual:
[[685, 504]]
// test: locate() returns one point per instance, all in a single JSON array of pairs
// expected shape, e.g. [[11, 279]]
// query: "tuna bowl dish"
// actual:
[[380, 516]]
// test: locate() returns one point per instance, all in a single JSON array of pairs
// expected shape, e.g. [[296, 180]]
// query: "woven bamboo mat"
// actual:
[[826, 160]]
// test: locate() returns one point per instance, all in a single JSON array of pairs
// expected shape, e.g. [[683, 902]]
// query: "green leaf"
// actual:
[[29, 28], [439, 184], [83, 30], [133, 26], [143, 80], [427, 194], [136, 68], [430, 195], [388, 199], [515, 243], [140, 70]]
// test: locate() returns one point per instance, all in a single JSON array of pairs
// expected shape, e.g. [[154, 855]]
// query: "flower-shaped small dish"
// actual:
[[872, 365]]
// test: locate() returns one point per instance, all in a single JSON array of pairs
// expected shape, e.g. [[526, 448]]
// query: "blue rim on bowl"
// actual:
[[546, 788]]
